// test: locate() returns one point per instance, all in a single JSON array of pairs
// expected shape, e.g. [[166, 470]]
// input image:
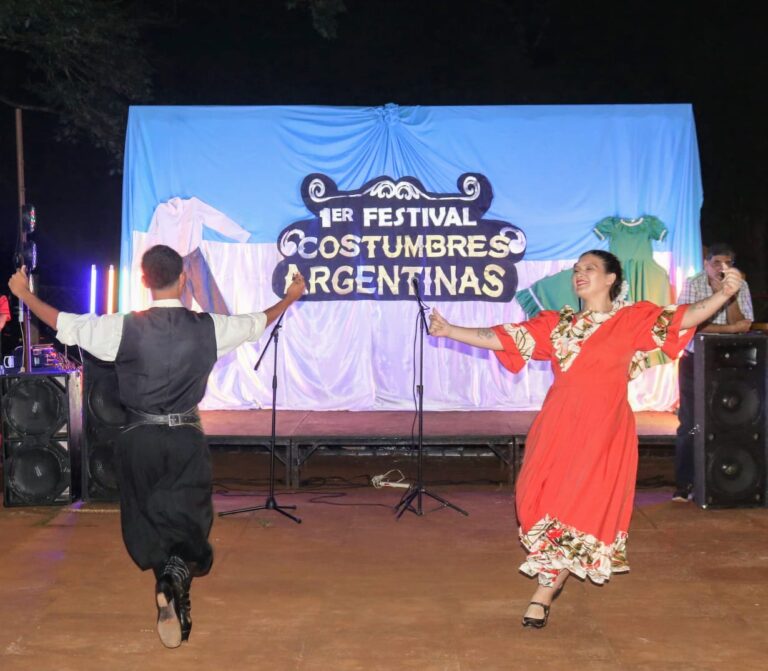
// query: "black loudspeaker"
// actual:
[[105, 418], [730, 445], [42, 429]]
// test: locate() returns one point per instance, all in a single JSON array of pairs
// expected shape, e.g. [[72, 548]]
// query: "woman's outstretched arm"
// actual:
[[484, 338], [702, 310]]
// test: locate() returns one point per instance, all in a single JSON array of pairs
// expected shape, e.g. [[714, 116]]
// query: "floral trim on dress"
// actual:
[[524, 341], [570, 334], [642, 361], [553, 546], [660, 328]]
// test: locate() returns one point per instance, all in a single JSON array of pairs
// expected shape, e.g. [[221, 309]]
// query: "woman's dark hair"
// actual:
[[161, 266], [612, 265]]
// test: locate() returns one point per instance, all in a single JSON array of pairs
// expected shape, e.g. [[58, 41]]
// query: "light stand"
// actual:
[[271, 503], [418, 491]]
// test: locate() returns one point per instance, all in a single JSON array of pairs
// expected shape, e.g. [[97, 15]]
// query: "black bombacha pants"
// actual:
[[165, 496]]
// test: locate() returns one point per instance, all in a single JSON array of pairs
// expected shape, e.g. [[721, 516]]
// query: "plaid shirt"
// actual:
[[697, 288]]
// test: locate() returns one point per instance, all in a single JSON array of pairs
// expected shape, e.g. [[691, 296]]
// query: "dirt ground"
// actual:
[[351, 588]]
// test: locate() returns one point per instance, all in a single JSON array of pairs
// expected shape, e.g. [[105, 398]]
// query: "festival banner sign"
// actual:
[[376, 241]]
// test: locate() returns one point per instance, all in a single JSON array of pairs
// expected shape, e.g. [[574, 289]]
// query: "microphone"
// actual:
[[415, 282], [397, 485], [422, 307]]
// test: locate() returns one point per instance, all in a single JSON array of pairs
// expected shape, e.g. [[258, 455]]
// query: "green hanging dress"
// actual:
[[549, 293], [630, 241]]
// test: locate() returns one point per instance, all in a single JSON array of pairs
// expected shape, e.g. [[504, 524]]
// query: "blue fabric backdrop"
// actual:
[[555, 171]]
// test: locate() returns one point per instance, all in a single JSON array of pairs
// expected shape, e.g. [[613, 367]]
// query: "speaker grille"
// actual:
[[40, 474], [735, 474], [102, 469], [730, 449], [35, 406], [735, 403], [42, 425], [104, 402], [104, 419]]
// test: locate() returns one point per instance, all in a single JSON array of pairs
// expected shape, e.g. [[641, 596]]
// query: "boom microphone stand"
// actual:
[[270, 503], [418, 491]]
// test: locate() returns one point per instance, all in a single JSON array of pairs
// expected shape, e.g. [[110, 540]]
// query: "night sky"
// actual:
[[484, 52]]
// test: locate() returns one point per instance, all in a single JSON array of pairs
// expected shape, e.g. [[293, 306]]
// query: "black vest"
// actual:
[[164, 359]]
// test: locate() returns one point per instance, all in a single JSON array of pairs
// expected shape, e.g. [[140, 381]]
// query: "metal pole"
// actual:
[[20, 162], [23, 312]]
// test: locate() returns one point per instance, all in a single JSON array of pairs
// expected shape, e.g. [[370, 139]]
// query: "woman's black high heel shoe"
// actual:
[[537, 622], [540, 622]]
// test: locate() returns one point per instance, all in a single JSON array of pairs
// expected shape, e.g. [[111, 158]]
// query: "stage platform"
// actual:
[[301, 434]]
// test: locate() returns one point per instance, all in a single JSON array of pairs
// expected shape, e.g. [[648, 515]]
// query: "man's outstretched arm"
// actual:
[[19, 286], [295, 291]]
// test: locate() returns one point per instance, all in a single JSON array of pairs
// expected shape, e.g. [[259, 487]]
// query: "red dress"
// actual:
[[576, 488]]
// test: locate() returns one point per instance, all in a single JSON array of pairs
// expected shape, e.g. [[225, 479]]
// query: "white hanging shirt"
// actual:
[[178, 223]]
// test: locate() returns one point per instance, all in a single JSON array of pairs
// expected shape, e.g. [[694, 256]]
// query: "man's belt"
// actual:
[[139, 418]]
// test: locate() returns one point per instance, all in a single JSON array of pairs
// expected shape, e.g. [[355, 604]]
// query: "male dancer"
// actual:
[[163, 357]]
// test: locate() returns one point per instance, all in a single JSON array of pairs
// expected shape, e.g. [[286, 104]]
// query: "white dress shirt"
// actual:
[[101, 335]]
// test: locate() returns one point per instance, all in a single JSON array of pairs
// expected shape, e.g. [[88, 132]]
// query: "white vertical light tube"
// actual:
[[92, 302], [111, 290]]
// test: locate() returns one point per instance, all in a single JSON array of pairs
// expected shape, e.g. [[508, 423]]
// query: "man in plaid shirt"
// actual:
[[734, 317]]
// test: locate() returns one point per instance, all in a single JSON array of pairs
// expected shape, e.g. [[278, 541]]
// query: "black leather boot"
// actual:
[[168, 623], [174, 619], [185, 612]]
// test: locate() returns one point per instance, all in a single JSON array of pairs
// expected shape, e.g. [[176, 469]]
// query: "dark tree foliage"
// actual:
[[324, 14], [85, 61], [80, 60]]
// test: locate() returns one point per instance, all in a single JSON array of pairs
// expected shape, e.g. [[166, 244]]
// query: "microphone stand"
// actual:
[[418, 491], [271, 503]]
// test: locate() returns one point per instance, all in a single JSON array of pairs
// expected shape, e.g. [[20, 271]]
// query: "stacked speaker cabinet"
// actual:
[[42, 427], [105, 418], [731, 420]]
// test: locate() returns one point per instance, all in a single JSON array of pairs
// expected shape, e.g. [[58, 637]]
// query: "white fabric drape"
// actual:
[[360, 355]]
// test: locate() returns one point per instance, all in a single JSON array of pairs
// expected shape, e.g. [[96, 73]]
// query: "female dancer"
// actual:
[[576, 488]]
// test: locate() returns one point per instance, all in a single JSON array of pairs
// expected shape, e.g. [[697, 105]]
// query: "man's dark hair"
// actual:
[[720, 249], [161, 266]]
